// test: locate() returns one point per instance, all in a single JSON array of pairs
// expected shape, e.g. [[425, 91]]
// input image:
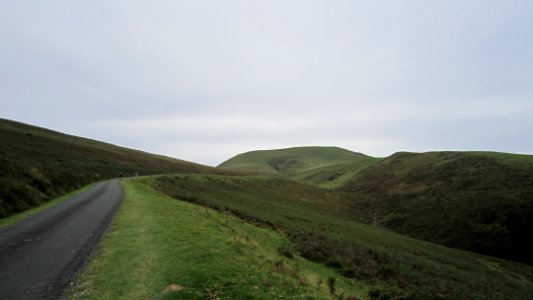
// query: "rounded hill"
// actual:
[[290, 161]]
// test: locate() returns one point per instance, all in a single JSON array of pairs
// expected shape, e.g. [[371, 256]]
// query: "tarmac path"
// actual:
[[41, 255]]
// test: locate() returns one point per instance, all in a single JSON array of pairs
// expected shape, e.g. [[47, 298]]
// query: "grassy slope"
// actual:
[[37, 164], [479, 201], [337, 175], [485, 197], [161, 248], [391, 264], [289, 161]]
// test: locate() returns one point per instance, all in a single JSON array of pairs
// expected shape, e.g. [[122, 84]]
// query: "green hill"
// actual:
[[323, 166], [335, 176], [37, 164], [315, 224], [477, 201], [370, 261]]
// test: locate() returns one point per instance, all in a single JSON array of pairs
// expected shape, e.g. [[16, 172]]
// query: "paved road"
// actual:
[[40, 256]]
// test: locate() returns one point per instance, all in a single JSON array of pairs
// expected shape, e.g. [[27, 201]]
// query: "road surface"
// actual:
[[40, 255]]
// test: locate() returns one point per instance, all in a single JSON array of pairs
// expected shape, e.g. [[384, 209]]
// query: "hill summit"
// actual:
[[290, 161]]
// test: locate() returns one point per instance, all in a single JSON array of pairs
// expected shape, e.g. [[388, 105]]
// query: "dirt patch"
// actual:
[[173, 288]]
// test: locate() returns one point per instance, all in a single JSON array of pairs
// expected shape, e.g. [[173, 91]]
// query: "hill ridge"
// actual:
[[290, 160], [38, 164]]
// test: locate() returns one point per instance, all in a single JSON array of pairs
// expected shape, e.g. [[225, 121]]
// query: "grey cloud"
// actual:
[[372, 76]]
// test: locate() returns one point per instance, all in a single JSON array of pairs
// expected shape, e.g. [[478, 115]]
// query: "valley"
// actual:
[[304, 222]]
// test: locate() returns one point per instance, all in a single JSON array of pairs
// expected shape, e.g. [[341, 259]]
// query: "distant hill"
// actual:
[[322, 166], [477, 201], [335, 176], [37, 164]]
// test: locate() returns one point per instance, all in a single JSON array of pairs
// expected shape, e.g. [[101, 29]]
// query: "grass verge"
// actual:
[[161, 248]]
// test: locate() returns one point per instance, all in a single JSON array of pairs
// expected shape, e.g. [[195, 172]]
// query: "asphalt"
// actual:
[[41, 255]]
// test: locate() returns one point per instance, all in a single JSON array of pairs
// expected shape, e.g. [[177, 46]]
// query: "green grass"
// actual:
[[326, 167], [335, 176], [30, 212], [37, 165], [391, 264], [478, 201], [162, 248], [289, 161], [311, 227]]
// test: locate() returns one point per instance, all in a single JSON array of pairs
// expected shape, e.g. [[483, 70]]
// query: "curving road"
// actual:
[[40, 255]]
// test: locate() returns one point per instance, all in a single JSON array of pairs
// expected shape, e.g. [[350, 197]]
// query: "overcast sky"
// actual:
[[205, 80]]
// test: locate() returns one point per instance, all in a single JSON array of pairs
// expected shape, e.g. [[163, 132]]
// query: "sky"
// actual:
[[206, 80]]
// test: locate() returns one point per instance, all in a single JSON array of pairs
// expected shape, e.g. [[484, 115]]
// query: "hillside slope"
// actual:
[[390, 265], [335, 176], [322, 166], [478, 201], [37, 164]]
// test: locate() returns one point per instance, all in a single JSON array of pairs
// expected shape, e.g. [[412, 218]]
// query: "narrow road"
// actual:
[[40, 255]]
